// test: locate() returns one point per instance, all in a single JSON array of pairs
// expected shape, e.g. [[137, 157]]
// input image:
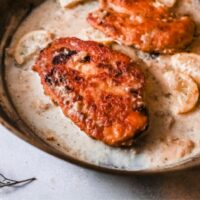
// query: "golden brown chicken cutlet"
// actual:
[[99, 89], [144, 24]]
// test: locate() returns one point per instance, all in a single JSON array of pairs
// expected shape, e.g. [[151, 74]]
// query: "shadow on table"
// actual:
[[183, 185]]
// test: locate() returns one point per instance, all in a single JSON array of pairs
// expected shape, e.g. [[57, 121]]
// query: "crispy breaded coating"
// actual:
[[99, 89], [144, 24]]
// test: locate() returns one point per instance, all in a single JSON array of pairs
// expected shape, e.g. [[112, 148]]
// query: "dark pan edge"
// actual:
[[36, 141]]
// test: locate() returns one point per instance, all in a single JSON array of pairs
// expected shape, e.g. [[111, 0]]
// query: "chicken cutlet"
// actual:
[[145, 24], [99, 89]]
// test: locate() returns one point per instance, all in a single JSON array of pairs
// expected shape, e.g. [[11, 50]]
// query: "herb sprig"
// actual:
[[5, 182]]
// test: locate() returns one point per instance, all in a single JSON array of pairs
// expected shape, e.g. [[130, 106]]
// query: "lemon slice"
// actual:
[[70, 3], [95, 35], [184, 91], [30, 43], [188, 63]]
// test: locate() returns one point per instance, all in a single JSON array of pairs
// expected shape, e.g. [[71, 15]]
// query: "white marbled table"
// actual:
[[59, 180]]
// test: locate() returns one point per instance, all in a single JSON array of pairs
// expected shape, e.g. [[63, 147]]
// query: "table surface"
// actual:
[[59, 180]]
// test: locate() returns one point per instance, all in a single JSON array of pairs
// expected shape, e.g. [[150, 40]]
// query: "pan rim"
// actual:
[[44, 146], [12, 127]]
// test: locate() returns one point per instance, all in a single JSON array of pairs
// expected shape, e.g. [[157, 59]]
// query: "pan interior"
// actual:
[[49, 123]]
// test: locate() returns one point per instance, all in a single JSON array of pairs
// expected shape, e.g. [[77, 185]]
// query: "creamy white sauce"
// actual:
[[165, 126]]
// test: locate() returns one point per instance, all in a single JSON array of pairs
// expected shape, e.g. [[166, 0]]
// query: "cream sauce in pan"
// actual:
[[170, 137]]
